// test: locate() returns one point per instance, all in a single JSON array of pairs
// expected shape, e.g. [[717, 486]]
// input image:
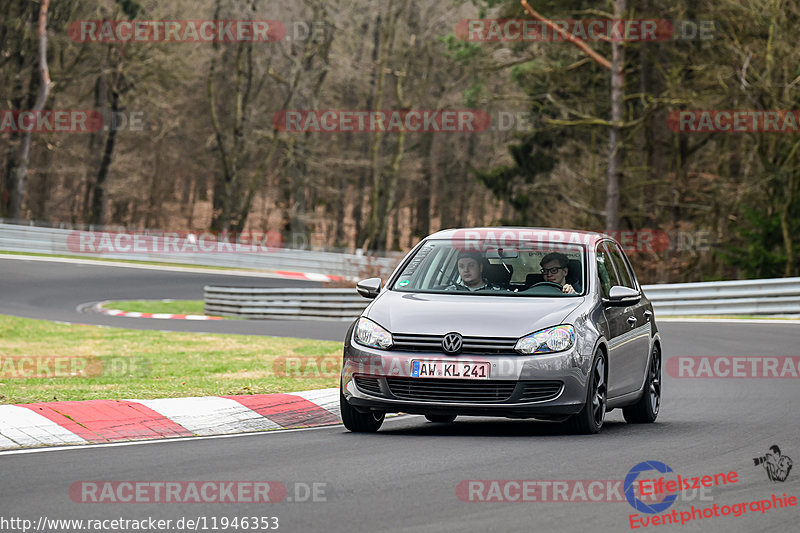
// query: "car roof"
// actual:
[[523, 233]]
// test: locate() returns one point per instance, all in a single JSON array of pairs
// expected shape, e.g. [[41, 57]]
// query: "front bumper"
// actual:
[[519, 386]]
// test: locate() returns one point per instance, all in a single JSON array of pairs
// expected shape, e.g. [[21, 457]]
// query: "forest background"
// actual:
[[193, 143]]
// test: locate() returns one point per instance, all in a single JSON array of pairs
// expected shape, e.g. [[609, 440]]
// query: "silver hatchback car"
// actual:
[[511, 322]]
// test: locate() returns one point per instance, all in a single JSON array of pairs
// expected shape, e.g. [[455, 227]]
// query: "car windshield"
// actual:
[[518, 268]]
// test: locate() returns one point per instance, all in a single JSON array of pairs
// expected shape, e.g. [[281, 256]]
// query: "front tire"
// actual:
[[591, 417], [359, 422], [646, 409]]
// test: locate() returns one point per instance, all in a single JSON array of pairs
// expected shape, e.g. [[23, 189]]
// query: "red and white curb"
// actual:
[[99, 308], [310, 276], [103, 421]]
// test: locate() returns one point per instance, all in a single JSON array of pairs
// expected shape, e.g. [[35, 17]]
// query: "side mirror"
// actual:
[[369, 288], [620, 296]]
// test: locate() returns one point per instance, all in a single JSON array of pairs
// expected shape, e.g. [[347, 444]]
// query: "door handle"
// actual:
[[632, 320]]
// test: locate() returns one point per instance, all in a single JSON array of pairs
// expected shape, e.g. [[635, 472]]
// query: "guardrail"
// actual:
[[761, 296], [34, 239], [287, 304], [750, 297]]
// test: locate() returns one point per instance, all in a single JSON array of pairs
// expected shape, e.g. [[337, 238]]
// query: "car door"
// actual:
[[632, 324], [615, 324]]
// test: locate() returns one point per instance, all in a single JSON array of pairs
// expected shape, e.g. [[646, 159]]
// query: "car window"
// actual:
[[513, 269], [605, 271], [623, 271]]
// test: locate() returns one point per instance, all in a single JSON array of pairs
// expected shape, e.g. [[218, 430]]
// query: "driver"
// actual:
[[555, 267], [470, 268]]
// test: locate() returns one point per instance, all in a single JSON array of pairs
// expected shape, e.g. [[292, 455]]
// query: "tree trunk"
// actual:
[[614, 137], [20, 173], [376, 224], [96, 137], [97, 213], [358, 210], [786, 231], [422, 218], [227, 199]]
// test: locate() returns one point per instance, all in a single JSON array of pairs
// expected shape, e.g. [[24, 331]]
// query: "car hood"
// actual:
[[470, 315]]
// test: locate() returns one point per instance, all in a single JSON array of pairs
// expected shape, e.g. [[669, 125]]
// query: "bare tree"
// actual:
[[614, 133], [20, 173], [227, 189], [616, 66], [97, 204]]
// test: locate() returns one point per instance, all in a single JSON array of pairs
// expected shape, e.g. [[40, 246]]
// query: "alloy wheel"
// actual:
[[599, 392]]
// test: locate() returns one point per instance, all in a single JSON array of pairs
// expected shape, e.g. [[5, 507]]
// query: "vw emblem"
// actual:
[[451, 343]]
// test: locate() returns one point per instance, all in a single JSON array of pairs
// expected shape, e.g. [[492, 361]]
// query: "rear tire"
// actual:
[[443, 419], [646, 409], [591, 417], [357, 421]]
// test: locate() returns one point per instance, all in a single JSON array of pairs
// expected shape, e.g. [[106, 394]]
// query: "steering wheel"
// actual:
[[548, 284]]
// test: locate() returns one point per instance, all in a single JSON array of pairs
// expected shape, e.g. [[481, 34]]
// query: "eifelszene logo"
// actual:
[[777, 466], [630, 484]]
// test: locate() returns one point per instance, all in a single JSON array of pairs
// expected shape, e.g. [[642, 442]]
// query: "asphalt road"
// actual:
[[54, 290], [404, 478]]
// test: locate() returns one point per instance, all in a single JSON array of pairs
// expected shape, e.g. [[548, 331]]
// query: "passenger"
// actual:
[[470, 268], [555, 267]]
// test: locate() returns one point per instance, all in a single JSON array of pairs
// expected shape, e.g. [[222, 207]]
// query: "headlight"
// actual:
[[550, 340], [368, 333]]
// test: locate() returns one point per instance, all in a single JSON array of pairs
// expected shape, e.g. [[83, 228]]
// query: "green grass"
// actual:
[[132, 261], [115, 363], [175, 307]]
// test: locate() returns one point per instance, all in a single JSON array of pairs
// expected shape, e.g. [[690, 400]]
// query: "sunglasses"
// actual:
[[553, 270]]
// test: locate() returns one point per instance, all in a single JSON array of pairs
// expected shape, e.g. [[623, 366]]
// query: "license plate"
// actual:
[[449, 369]]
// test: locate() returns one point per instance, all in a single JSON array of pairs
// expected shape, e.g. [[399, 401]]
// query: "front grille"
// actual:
[[538, 391], [369, 385], [472, 345], [451, 390]]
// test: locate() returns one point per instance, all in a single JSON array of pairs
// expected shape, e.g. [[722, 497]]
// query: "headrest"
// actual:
[[574, 274], [498, 274]]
